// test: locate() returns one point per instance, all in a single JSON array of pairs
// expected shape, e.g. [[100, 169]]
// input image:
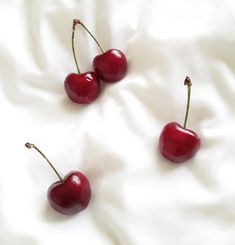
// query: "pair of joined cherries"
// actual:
[[110, 67], [72, 193]]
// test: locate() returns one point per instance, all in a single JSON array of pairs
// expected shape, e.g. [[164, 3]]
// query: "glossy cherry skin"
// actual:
[[111, 66], [70, 196], [178, 144], [82, 88]]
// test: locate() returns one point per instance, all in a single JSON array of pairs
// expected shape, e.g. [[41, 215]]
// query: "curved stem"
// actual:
[[73, 48], [30, 146], [77, 21], [187, 82]]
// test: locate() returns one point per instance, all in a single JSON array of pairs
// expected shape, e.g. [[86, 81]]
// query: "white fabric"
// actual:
[[138, 197]]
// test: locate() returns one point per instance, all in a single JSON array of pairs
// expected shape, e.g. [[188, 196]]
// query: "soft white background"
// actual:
[[138, 197]]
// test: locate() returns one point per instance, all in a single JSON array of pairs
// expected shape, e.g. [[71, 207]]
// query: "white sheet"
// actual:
[[138, 198]]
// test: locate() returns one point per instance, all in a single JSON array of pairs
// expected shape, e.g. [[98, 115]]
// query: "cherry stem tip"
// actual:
[[187, 81], [29, 145], [76, 22]]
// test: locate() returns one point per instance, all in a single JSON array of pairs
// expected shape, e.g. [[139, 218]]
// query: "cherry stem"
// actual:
[[73, 48], [30, 146], [187, 82], [77, 21]]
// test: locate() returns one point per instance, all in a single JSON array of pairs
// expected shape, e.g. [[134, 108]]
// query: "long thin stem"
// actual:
[[73, 48], [30, 146], [187, 82], [80, 23]]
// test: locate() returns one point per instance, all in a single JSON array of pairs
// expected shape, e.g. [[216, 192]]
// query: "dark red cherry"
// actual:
[[179, 144], [82, 88], [110, 66], [70, 196]]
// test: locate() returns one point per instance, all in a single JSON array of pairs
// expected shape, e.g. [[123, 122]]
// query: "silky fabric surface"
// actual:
[[138, 198]]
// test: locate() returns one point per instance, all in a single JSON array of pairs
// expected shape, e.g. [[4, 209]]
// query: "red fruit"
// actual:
[[82, 88], [70, 196], [110, 66], [178, 144]]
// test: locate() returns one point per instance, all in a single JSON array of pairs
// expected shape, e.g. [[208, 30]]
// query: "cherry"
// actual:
[[81, 88], [110, 66], [177, 143], [70, 194]]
